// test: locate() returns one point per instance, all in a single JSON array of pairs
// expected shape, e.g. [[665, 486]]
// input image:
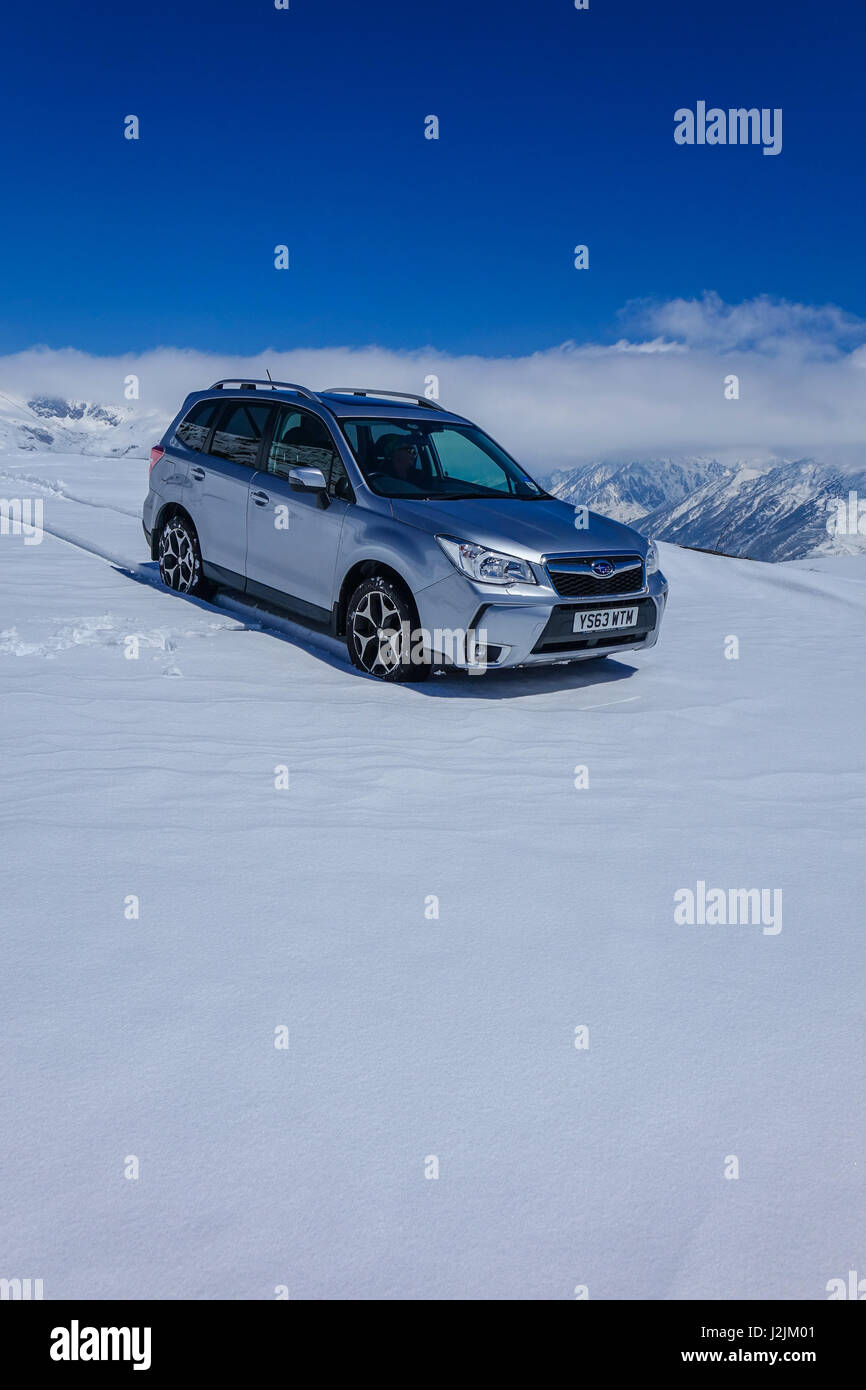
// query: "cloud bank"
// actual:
[[658, 390]]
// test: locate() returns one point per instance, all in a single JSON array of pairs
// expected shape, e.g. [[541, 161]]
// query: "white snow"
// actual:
[[408, 1036]]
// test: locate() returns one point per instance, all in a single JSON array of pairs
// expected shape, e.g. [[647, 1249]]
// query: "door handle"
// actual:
[[198, 474], [261, 499]]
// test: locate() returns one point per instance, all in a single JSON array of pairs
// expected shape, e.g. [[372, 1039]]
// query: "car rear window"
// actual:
[[196, 425]]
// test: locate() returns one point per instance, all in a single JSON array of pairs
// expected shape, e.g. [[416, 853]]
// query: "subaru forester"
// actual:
[[395, 524]]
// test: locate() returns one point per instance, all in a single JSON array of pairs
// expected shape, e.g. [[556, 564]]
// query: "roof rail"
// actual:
[[250, 383], [369, 391]]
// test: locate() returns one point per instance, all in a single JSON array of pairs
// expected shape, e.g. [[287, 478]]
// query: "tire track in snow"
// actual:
[[135, 569], [250, 617], [58, 489]]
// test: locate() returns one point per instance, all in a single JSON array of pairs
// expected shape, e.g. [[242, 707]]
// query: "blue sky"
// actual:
[[305, 127]]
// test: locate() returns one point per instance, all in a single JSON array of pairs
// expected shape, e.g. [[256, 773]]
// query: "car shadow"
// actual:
[[444, 683], [515, 681]]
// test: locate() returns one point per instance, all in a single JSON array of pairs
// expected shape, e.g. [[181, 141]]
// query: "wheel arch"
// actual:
[[166, 510], [361, 570]]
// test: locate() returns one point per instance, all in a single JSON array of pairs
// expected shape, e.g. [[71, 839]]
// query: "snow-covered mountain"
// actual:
[[777, 509], [628, 491], [51, 424], [782, 514]]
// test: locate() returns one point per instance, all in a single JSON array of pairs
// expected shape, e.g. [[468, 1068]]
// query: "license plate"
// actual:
[[592, 620]]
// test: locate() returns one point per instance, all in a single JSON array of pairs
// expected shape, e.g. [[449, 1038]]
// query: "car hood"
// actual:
[[526, 529]]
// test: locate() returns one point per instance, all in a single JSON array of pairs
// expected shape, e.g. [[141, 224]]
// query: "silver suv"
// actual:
[[393, 523]]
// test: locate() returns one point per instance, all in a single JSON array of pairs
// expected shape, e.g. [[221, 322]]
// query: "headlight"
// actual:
[[652, 558], [487, 566]]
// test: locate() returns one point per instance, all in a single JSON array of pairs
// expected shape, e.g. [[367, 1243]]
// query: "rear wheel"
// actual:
[[179, 553], [382, 632]]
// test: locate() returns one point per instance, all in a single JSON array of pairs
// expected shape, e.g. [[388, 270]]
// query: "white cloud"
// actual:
[[660, 390], [771, 327]]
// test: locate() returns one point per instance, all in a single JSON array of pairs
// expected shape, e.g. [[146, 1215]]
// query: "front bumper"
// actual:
[[529, 625]]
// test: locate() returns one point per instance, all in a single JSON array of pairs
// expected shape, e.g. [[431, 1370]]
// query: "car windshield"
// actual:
[[429, 458]]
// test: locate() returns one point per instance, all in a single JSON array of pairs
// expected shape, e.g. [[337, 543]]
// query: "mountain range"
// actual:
[[754, 508], [777, 509]]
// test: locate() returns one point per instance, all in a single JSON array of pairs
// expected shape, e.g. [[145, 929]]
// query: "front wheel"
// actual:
[[180, 566], [382, 633]]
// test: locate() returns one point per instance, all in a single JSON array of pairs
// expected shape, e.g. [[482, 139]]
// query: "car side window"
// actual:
[[240, 432], [196, 426], [301, 441]]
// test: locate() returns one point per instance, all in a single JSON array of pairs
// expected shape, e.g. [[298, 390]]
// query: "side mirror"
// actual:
[[307, 480]]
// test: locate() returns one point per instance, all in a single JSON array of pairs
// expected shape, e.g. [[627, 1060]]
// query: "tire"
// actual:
[[179, 554], [381, 624]]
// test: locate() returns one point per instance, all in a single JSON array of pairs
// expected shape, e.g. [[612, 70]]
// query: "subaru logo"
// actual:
[[602, 568]]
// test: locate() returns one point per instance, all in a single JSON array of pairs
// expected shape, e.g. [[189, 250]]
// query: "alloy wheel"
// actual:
[[377, 633], [177, 557]]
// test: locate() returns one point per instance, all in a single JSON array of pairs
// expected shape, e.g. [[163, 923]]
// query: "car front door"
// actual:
[[219, 483], [293, 537]]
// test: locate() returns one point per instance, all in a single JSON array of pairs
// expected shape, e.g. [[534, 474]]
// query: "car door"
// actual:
[[293, 537], [219, 482]]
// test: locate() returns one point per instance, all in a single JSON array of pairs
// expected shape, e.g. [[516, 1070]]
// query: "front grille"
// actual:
[[559, 634], [573, 577]]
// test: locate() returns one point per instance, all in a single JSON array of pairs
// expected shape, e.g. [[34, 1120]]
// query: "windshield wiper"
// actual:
[[466, 497], [492, 496]]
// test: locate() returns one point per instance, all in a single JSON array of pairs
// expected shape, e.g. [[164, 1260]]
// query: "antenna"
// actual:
[[268, 370]]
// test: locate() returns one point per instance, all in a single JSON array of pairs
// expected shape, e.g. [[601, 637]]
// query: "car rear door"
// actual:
[[219, 483]]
